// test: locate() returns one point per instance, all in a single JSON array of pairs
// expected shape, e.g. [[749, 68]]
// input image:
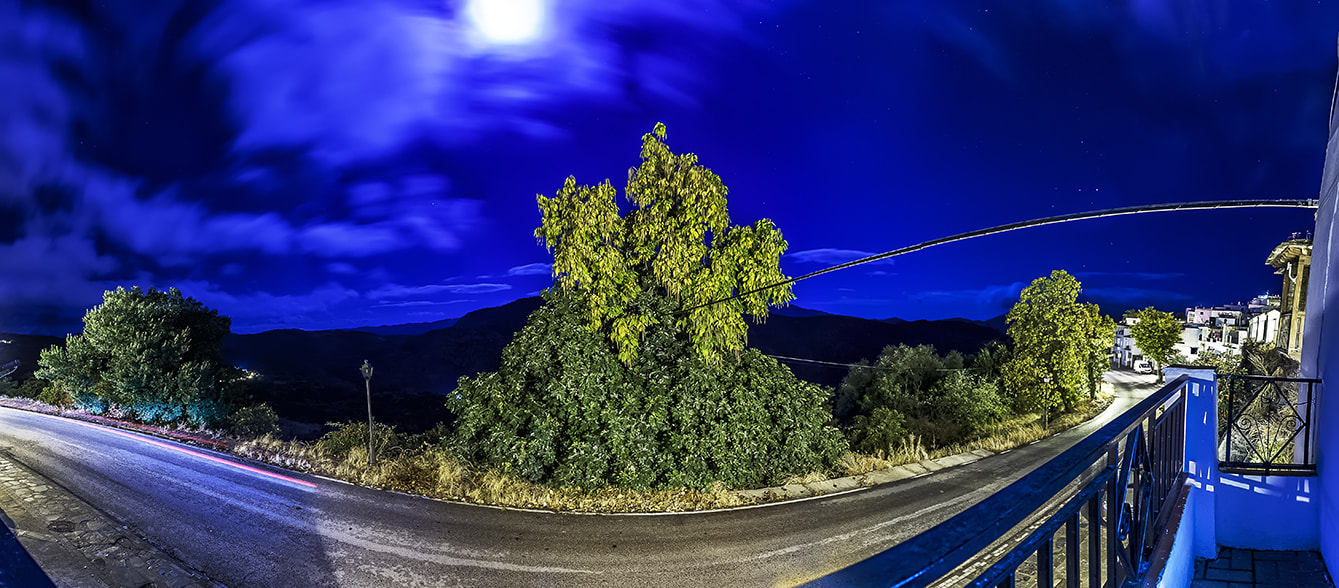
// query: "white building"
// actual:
[[1264, 327], [1125, 352]]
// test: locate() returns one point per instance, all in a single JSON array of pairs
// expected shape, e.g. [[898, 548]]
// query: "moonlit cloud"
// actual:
[[830, 256], [398, 291], [531, 269]]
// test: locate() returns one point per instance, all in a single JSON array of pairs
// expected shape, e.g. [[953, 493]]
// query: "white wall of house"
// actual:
[[1264, 327]]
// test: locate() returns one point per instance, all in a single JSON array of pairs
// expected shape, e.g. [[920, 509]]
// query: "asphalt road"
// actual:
[[244, 528]]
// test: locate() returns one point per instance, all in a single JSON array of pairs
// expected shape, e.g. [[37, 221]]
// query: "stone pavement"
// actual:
[[78, 545], [1242, 568]]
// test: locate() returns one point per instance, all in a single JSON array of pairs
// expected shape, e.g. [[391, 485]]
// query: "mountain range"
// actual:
[[313, 376]]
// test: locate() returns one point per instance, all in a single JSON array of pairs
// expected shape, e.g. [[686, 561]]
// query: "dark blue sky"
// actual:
[[334, 164]]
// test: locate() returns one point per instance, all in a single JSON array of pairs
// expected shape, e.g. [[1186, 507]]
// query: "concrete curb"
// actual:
[[874, 478]]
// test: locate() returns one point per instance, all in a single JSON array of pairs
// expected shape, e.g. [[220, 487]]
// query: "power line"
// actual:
[[847, 365], [1050, 220], [823, 363]]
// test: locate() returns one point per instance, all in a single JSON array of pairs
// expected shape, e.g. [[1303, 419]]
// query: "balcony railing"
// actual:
[[1264, 425], [1132, 467]]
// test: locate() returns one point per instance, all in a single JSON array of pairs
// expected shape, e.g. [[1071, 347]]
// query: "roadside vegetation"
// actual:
[[632, 388]]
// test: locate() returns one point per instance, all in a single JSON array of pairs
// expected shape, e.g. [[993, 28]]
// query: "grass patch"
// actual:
[[1004, 435]]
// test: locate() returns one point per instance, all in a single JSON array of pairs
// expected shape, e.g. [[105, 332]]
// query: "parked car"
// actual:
[[1143, 367]]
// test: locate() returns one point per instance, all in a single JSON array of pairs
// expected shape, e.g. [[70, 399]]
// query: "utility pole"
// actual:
[[367, 379]]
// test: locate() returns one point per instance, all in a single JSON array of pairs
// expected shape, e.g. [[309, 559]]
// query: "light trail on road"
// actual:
[[179, 449]]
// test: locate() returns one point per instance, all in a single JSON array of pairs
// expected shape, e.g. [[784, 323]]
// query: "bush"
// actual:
[[339, 443], [563, 409], [53, 393], [879, 432], [966, 402], [255, 421]]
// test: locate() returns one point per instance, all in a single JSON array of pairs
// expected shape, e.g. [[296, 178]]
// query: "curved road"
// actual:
[[243, 528]]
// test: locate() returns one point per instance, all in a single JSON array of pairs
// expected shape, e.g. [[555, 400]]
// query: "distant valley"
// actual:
[[312, 376]]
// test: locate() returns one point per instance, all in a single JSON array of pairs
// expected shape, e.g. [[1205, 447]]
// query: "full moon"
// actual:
[[507, 21]]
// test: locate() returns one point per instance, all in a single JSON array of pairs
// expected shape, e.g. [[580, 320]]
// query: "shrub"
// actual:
[[966, 402], [54, 394], [339, 443], [563, 409], [879, 432], [255, 421]]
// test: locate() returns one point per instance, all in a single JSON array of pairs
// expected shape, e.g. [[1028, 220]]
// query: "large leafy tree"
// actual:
[[158, 354], [626, 375], [1156, 333], [1100, 334], [1053, 336], [676, 243]]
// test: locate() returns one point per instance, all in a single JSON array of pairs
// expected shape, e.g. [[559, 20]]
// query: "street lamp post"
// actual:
[[367, 379]]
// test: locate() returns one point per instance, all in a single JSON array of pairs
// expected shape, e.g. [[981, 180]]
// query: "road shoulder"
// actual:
[[78, 545]]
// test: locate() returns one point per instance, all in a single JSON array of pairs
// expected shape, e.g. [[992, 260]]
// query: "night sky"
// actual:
[[325, 165]]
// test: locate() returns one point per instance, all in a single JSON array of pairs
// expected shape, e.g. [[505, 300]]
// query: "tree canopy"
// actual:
[[624, 377], [1059, 344], [1156, 333], [676, 242], [155, 353]]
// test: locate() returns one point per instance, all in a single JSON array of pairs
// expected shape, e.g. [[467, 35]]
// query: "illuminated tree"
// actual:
[[158, 354], [1051, 333], [1100, 335], [626, 376], [676, 243], [1156, 334]]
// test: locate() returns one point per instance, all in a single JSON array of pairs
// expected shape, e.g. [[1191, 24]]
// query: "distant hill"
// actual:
[[845, 339], [797, 311], [406, 328], [312, 376], [26, 349]]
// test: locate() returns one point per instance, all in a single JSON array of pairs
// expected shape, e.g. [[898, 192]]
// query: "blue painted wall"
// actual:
[[1320, 355], [1274, 512]]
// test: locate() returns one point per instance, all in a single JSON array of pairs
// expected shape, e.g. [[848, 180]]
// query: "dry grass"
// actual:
[[435, 473], [1002, 436]]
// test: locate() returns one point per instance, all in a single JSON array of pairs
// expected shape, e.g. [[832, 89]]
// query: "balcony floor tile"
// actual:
[[1249, 568]]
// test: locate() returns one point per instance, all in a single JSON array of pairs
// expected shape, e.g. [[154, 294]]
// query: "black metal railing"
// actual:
[[1264, 425], [1132, 466]]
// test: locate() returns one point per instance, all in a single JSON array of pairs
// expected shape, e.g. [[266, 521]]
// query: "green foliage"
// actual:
[[156, 353], [965, 402], [564, 409], [255, 421], [8, 387], [346, 437], [1222, 362], [914, 390], [879, 432], [52, 393], [1099, 337], [676, 244], [1059, 345], [1156, 333]]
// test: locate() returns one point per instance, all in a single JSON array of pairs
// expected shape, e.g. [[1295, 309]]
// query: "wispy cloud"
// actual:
[[531, 269], [831, 256], [997, 296], [398, 291]]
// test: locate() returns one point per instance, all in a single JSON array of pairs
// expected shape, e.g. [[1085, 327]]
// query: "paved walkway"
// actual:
[[77, 545], [1240, 568]]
